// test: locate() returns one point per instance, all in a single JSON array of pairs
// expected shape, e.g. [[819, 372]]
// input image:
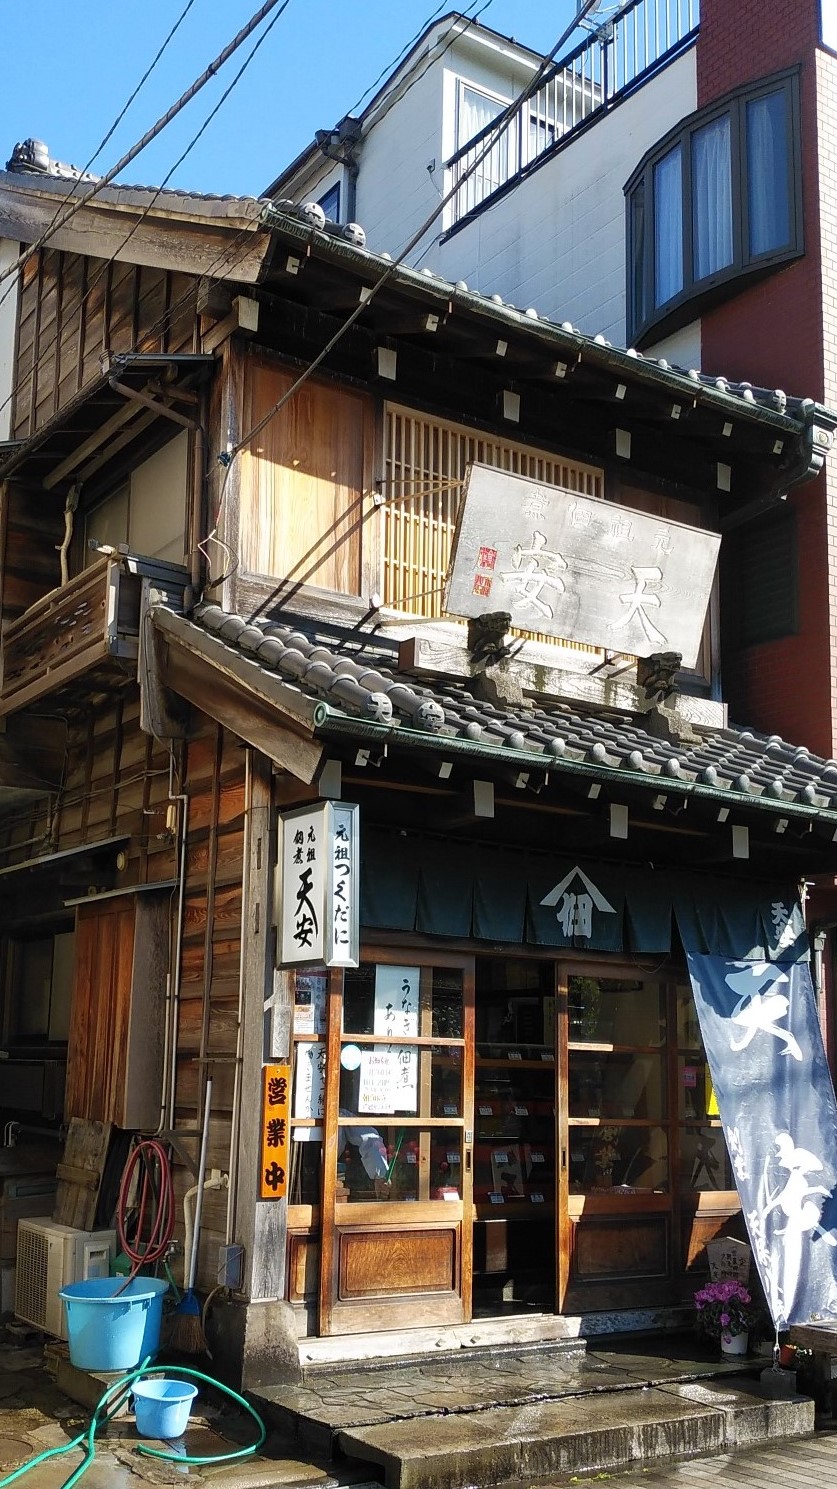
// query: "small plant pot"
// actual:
[[787, 1356], [734, 1344]]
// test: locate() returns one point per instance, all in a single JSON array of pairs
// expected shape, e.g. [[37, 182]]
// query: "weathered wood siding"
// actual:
[[302, 482], [211, 963], [117, 781], [73, 309]]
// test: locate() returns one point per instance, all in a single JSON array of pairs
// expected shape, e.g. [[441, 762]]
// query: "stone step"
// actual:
[[603, 1432]]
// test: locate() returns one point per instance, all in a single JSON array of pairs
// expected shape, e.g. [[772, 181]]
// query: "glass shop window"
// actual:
[[400, 1134], [309, 1064], [704, 1161], [617, 1097], [514, 1091]]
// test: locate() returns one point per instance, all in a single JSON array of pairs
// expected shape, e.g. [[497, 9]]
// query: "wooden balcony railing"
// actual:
[[81, 636]]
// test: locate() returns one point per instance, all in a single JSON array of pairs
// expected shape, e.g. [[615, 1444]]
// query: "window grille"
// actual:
[[424, 472]]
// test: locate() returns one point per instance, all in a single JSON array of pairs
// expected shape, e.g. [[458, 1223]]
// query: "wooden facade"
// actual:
[[177, 757]]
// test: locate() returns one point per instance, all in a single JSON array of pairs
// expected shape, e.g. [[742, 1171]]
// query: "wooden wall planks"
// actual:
[[302, 498], [74, 308]]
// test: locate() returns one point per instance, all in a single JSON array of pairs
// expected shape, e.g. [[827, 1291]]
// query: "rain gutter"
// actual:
[[332, 724]]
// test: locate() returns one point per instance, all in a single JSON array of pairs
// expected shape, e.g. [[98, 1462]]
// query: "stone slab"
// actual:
[[600, 1433]]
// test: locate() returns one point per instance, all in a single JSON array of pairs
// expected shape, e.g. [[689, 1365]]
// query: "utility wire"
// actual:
[[150, 134], [223, 258], [403, 52], [114, 126], [498, 129]]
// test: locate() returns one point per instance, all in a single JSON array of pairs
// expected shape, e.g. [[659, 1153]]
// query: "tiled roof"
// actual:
[[358, 680], [347, 243]]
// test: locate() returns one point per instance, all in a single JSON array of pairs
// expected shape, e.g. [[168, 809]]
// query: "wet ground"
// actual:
[[810, 1464], [36, 1416]]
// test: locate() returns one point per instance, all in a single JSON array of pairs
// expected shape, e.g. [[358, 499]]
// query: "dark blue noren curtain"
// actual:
[[776, 1101]]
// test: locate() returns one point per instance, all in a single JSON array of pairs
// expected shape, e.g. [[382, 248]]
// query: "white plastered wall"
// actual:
[[149, 513], [681, 349], [557, 240]]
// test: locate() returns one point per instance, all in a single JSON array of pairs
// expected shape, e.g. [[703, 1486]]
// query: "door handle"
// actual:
[[467, 1160], [563, 1160]]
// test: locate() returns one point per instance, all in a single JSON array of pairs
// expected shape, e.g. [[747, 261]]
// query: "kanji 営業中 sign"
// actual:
[[273, 1179]]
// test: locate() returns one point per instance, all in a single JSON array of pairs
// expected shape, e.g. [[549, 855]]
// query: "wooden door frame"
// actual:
[[394, 955]]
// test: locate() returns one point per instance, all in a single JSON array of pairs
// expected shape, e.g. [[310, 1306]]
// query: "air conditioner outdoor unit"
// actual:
[[49, 1256]]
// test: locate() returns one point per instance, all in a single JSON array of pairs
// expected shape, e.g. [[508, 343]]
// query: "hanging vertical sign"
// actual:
[[397, 1013], [778, 1111], [319, 890], [273, 1181]]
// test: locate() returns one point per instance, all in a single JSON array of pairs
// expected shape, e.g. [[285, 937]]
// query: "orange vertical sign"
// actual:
[[276, 1085]]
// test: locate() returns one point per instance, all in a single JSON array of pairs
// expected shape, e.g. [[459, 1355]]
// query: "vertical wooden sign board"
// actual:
[[273, 1178]]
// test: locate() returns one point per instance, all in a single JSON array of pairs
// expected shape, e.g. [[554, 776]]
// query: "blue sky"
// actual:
[[70, 67]]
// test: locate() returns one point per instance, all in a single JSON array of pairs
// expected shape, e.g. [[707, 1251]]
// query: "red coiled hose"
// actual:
[[155, 1209]]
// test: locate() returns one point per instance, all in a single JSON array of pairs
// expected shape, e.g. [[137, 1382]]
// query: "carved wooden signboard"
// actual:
[[579, 568]]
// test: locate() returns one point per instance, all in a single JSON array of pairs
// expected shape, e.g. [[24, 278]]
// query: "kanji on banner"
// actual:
[[777, 1106]]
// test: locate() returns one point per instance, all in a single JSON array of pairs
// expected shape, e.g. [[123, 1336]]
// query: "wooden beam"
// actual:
[[252, 718], [244, 317], [423, 657], [122, 416]]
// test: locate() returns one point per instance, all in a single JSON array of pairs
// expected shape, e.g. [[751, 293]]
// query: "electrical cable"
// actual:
[[150, 134], [117, 121], [496, 131], [60, 331], [451, 32]]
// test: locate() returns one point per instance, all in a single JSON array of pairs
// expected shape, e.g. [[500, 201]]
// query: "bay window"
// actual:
[[718, 198]]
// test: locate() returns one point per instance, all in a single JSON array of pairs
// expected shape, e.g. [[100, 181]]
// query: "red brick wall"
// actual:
[[775, 333], [742, 40]]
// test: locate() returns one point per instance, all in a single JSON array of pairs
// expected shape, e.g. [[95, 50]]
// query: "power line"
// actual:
[[143, 80], [115, 125], [59, 331], [498, 129], [150, 134], [391, 66]]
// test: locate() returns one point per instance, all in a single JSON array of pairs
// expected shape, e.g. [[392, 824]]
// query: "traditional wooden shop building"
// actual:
[[223, 651]]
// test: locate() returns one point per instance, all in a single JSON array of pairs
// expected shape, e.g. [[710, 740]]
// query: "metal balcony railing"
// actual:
[[623, 51]]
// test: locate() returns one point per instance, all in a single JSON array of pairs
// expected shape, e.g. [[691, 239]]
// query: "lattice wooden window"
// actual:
[[424, 472]]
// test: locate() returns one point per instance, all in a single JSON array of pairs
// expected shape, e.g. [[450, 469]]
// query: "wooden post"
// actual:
[[254, 1336], [261, 1225]]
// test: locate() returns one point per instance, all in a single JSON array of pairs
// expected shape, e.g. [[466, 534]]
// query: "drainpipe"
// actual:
[[169, 1082], [63, 548]]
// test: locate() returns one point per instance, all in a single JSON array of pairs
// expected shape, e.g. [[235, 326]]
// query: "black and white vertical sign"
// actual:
[[776, 1101], [318, 888]]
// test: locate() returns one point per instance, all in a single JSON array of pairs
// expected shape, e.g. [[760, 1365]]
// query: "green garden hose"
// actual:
[[110, 1403]]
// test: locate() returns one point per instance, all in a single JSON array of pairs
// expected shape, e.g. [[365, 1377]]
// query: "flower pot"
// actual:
[[734, 1344]]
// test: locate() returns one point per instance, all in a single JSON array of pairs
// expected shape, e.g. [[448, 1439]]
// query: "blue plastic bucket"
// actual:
[[162, 1406], [105, 1332]]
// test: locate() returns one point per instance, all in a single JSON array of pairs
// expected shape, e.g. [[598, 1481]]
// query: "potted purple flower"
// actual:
[[725, 1311]]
